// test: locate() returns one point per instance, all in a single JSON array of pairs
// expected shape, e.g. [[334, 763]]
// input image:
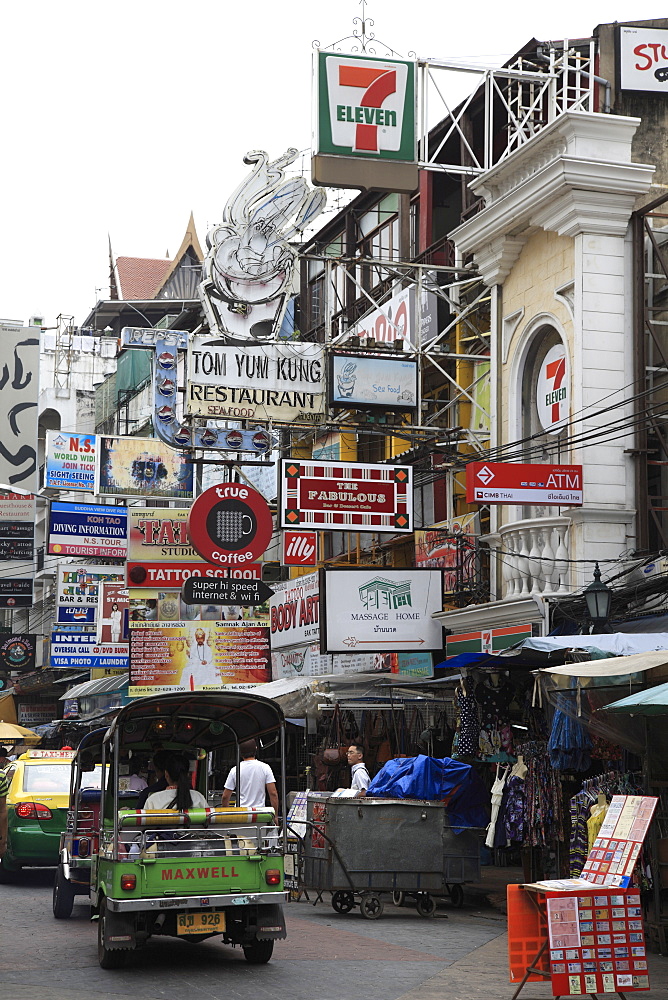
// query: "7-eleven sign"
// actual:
[[366, 107], [553, 390]]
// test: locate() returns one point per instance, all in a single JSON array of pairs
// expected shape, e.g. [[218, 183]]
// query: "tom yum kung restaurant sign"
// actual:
[[278, 382], [519, 483], [345, 496]]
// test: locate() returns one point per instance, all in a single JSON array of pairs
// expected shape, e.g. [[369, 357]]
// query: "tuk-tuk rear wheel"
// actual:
[[258, 952], [107, 959], [63, 896]]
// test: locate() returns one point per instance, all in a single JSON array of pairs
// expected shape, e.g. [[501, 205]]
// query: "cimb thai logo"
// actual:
[[366, 103]]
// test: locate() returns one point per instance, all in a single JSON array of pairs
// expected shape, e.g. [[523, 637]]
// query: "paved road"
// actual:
[[326, 955]]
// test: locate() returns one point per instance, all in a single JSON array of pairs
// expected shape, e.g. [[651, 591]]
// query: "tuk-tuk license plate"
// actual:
[[200, 923]]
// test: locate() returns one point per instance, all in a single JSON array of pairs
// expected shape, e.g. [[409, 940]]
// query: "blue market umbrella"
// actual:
[[652, 701]]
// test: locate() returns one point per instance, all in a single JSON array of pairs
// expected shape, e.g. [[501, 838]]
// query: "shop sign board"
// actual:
[[16, 592], [400, 318], [70, 461], [197, 656], [40, 714], [366, 107], [147, 337], [172, 576], [90, 655], [491, 640], [345, 496], [553, 390], [308, 661], [377, 609], [17, 652], [246, 593], [112, 624], [643, 59], [230, 524], [77, 529], [143, 467], [158, 534], [19, 382], [300, 548], [358, 380], [414, 665], [284, 383], [294, 616], [520, 483], [449, 545], [78, 591], [17, 527]]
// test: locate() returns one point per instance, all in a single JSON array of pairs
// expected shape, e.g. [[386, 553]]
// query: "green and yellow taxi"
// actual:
[[37, 801]]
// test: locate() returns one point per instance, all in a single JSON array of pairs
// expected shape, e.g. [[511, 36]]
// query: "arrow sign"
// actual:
[[247, 593]]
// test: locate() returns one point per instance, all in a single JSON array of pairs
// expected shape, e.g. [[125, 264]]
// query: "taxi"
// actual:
[[37, 801]]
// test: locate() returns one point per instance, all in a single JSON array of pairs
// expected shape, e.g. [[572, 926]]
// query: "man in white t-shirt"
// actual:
[[256, 780], [360, 775]]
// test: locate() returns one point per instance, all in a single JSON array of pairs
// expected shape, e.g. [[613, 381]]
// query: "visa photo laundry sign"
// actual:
[[70, 461], [517, 482], [77, 529], [375, 609], [78, 650], [366, 107], [277, 382], [643, 59], [345, 496]]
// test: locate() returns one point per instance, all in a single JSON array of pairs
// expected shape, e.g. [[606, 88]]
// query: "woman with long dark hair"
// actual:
[[178, 794]]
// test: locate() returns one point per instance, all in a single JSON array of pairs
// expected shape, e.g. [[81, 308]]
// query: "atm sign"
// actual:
[[518, 483]]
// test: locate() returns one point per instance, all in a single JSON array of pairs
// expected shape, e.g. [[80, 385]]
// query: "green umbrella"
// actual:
[[653, 701]]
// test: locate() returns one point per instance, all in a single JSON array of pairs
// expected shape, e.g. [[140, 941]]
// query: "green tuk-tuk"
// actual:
[[196, 872]]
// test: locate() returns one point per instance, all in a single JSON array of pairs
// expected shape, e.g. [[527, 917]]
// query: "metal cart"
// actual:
[[363, 849]]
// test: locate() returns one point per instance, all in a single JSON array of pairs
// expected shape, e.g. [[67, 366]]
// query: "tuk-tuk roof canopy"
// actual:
[[207, 719]]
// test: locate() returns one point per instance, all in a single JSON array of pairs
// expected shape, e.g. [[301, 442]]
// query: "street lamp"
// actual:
[[599, 598]]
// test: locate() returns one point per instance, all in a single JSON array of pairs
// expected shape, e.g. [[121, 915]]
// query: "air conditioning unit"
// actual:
[[658, 567]]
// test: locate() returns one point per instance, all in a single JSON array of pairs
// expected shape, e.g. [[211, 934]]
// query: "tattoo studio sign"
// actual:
[[278, 382]]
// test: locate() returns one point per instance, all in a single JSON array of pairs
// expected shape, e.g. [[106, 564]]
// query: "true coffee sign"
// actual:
[[515, 482], [230, 525]]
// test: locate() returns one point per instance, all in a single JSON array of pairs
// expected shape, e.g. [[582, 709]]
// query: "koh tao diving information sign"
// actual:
[[344, 496], [70, 461], [197, 656], [77, 529], [366, 107], [278, 382], [516, 482]]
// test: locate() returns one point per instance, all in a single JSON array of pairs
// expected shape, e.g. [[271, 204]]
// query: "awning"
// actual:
[[653, 701], [101, 685], [297, 696], [614, 643], [612, 666]]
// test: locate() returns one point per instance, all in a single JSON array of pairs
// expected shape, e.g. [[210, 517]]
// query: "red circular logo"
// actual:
[[230, 524]]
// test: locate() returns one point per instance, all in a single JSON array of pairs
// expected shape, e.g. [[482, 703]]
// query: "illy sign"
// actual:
[[514, 482], [300, 548]]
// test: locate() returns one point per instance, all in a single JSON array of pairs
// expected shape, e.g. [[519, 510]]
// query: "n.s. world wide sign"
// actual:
[[514, 482]]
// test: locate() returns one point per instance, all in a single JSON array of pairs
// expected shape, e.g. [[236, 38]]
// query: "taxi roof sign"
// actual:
[[47, 755]]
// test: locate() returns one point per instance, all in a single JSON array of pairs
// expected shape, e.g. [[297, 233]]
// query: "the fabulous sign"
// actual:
[[345, 496], [278, 382], [519, 483], [373, 609]]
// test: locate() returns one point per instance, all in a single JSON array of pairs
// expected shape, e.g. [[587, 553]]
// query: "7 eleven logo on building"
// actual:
[[366, 107]]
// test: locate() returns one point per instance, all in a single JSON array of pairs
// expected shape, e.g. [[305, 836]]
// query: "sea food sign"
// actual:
[[366, 107], [643, 59]]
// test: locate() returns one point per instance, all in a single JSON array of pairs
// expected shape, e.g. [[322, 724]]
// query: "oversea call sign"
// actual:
[[517, 482], [230, 525]]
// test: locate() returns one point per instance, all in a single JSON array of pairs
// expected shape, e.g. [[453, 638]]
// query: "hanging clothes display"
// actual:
[[587, 813], [497, 797], [467, 737], [514, 805], [496, 740], [544, 814], [569, 744], [595, 821]]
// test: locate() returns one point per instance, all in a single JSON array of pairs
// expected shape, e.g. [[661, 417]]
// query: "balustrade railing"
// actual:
[[534, 557]]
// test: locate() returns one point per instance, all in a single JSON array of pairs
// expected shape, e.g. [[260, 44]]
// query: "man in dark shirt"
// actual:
[[159, 759]]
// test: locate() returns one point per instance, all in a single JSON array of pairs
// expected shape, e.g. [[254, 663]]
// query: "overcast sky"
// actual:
[[120, 118]]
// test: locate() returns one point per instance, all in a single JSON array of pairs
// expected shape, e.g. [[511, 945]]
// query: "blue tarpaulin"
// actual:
[[442, 779]]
